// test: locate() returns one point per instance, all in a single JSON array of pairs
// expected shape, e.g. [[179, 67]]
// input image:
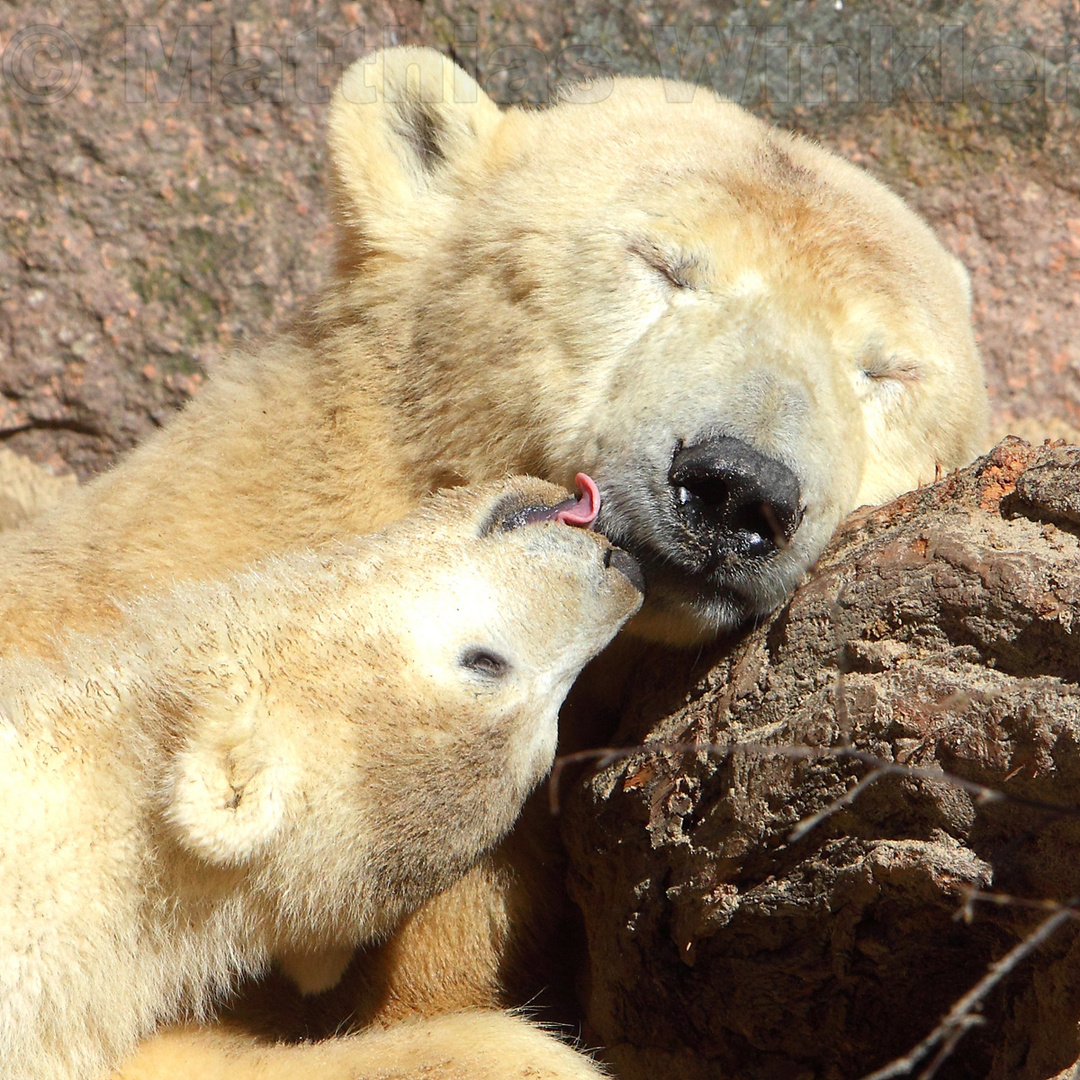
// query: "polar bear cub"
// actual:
[[292, 758]]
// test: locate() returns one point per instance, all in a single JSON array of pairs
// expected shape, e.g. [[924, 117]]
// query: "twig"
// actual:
[[964, 1013], [962, 1016], [606, 755], [976, 895], [949, 1046], [603, 758], [808, 824]]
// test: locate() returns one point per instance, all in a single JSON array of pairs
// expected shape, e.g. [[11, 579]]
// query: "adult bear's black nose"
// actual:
[[733, 500]]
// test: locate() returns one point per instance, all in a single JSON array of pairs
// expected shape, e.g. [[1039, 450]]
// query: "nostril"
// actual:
[[712, 490], [781, 533], [734, 499], [629, 567], [759, 526]]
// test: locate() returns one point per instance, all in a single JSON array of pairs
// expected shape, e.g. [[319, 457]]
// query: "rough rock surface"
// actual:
[[162, 168], [942, 630]]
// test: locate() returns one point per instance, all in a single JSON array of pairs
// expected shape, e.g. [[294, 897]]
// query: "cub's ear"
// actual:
[[401, 121], [231, 784]]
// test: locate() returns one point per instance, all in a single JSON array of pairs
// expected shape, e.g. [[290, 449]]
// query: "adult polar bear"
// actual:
[[738, 334]]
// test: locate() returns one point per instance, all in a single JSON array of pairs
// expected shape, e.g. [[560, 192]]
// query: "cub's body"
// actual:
[[288, 760]]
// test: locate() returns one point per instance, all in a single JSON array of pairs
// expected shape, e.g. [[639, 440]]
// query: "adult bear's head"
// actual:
[[739, 334]]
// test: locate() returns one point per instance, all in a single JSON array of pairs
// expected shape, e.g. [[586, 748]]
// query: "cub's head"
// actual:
[[493, 604], [358, 727], [739, 334]]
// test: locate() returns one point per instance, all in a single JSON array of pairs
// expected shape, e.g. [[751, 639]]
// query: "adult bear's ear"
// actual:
[[231, 783], [402, 121]]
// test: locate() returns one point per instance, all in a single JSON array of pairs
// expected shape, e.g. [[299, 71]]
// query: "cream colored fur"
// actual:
[[577, 288], [458, 1046], [586, 287], [288, 760], [27, 489]]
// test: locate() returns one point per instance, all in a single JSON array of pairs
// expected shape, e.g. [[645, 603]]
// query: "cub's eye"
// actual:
[[485, 662]]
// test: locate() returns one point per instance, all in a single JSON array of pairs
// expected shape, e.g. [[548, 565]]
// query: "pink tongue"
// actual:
[[584, 510]]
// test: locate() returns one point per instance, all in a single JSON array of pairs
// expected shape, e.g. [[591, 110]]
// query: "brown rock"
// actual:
[[940, 631]]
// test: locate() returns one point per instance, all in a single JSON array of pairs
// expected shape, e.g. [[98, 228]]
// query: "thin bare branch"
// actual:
[[808, 824], [963, 1015], [983, 794], [975, 895], [949, 1046]]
